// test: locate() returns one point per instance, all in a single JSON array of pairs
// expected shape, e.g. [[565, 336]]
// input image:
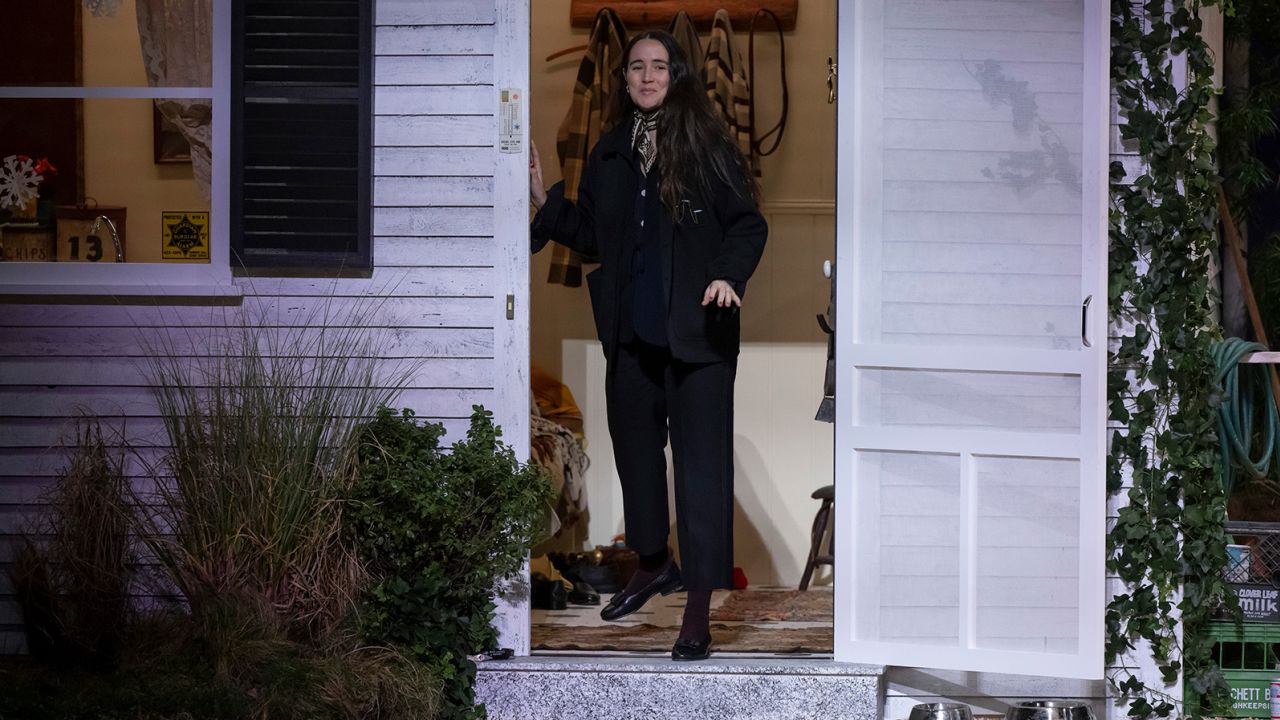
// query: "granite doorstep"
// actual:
[[654, 689]]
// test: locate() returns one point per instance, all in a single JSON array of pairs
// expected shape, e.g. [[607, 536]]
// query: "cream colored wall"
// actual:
[[118, 161], [781, 454]]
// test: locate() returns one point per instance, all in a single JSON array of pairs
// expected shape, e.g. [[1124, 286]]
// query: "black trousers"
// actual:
[[648, 392]]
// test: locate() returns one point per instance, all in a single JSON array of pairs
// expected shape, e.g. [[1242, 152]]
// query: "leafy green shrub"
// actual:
[[436, 531]]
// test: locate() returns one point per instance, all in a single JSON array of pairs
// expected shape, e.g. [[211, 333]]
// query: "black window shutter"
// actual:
[[301, 157]]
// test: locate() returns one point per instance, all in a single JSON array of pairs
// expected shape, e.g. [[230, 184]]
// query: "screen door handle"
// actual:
[[1084, 322]]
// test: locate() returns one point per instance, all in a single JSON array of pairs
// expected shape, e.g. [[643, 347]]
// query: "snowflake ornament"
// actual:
[[19, 182], [102, 8]]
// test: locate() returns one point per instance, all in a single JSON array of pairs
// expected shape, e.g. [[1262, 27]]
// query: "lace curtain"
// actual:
[[177, 50]]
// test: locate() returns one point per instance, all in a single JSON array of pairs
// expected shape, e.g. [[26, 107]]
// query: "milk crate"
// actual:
[[1249, 655], [1253, 569]]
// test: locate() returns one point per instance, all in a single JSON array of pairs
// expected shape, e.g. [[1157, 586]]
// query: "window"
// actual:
[[301, 134], [139, 123], [112, 148]]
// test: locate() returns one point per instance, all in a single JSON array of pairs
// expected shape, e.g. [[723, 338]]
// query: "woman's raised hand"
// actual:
[[721, 293], [537, 191]]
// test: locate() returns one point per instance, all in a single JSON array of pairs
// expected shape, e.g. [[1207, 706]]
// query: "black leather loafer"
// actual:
[[684, 651], [583, 594], [623, 604]]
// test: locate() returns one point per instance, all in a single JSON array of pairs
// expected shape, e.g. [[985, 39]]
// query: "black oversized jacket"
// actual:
[[717, 238]]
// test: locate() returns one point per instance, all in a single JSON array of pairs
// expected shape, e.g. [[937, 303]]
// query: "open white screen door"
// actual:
[[971, 334]]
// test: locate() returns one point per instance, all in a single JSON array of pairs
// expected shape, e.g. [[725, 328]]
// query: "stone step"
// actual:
[[603, 687]]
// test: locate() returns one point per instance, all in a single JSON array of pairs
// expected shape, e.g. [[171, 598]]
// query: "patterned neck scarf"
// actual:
[[641, 142]]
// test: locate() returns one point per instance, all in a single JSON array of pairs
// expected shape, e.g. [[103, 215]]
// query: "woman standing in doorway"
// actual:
[[668, 206]]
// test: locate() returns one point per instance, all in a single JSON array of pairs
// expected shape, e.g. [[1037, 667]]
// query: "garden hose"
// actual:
[[1242, 390]]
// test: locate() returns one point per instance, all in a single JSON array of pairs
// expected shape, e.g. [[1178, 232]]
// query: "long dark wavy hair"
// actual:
[[694, 145]]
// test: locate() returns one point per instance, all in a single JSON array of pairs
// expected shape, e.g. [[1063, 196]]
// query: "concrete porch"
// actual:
[[652, 687]]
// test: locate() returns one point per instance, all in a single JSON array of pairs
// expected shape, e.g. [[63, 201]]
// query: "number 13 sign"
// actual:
[[86, 235]]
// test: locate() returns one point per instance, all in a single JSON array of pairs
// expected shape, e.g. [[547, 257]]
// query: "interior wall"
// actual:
[[781, 453], [119, 166]]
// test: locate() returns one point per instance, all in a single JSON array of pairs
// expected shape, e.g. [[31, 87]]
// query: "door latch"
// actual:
[[831, 81]]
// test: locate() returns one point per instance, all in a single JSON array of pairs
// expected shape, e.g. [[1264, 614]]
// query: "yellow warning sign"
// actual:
[[185, 235]]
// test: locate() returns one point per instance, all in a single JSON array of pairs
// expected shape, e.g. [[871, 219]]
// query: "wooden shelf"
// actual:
[[643, 14], [1261, 358]]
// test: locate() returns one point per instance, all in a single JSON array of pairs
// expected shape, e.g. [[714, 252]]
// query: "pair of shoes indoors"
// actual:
[[547, 594]]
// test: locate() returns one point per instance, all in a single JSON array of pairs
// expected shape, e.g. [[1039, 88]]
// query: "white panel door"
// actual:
[[971, 343]]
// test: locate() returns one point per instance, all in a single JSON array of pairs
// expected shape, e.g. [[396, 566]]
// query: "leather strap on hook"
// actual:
[[757, 143]]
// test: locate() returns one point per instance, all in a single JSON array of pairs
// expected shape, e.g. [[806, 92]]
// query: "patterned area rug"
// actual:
[[773, 620], [777, 605], [646, 637]]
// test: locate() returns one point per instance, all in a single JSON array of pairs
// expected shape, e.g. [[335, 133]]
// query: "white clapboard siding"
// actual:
[[435, 12], [132, 372], [432, 300], [274, 311], [434, 40], [434, 161], [95, 342]]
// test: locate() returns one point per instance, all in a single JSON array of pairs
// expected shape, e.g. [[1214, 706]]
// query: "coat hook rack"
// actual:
[[637, 14]]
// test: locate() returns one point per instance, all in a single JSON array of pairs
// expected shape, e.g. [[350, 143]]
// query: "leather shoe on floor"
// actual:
[[622, 603], [583, 594], [547, 594], [691, 651]]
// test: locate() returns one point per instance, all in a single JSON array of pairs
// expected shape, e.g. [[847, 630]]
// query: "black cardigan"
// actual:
[[718, 238]]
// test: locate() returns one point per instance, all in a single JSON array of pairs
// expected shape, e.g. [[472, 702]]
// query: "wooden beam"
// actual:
[[1234, 247], [643, 14]]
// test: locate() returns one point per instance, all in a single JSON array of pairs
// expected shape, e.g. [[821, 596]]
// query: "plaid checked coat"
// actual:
[[725, 74], [686, 35], [585, 122]]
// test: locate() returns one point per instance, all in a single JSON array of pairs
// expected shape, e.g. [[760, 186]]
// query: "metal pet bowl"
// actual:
[[1050, 710], [941, 711]]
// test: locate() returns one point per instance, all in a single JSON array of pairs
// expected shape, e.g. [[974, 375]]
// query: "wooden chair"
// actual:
[[821, 525]]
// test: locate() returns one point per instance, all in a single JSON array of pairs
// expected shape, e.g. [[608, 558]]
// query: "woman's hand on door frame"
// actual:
[[537, 190]]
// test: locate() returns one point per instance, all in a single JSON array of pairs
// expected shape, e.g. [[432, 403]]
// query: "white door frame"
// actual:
[[511, 274]]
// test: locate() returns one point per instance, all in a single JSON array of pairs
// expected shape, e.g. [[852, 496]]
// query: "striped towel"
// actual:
[[585, 123]]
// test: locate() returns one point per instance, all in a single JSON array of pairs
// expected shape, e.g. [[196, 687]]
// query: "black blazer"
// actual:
[[717, 238]]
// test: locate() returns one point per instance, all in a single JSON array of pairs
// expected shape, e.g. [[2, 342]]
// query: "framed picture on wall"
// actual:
[[169, 144]]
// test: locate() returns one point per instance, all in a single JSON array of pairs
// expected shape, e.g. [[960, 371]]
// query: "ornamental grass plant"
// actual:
[[240, 524], [245, 508], [71, 571]]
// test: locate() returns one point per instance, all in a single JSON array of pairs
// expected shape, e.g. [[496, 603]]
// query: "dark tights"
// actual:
[[695, 627]]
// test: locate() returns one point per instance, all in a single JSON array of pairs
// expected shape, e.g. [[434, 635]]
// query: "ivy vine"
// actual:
[[1168, 537]]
